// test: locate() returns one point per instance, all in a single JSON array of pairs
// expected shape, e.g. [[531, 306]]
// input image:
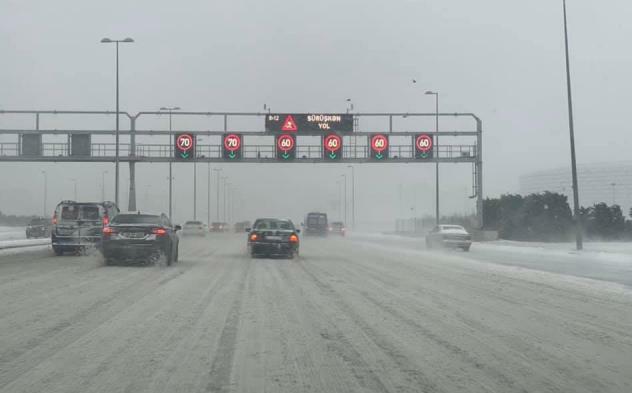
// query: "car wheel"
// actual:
[[58, 250], [175, 259], [465, 248]]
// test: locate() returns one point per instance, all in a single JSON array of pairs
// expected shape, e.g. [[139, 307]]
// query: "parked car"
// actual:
[[78, 225], [194, 228], [136, 236], [337, 228], [38, 228], [453, 236], [316, 224], [273, 237]]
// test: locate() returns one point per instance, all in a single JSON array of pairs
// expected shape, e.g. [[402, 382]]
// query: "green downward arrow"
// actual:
[[184, 155], [379, 156], [285, 156], [231, 154], [332, 155]]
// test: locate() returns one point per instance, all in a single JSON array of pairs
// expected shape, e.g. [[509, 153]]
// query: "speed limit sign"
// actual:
[[285, 147], [423, 146], [232, 147], [379, 147], [184, 146], [332, 147]]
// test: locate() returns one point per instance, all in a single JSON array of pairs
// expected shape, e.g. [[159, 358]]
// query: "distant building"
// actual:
[[604, 182]]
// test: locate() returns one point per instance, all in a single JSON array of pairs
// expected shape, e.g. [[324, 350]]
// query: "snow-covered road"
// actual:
[[349, 315]]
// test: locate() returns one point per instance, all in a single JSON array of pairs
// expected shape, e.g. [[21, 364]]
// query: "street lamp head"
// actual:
[[429, 92], [128, 40], [106, 41]]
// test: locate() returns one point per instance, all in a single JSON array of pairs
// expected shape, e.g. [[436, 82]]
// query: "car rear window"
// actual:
[[193, 223], [136, 219], [79, 212], [317, 220], [38, 221], [274, 224]]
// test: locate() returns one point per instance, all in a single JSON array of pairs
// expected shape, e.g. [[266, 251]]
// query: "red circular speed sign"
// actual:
[[333, 143], [379, 143], [184, 142], [232, 142], [423, 143], [285, 142]]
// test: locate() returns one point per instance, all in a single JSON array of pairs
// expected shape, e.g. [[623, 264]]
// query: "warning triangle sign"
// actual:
[[289, 124]]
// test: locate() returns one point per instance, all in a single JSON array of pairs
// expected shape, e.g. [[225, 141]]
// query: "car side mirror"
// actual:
[[248, 229], [298, 231], [178, 228]]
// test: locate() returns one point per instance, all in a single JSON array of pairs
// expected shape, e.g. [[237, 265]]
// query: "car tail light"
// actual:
[[107, 231], [55, 218], [159, 231], [106, 220], [254, 237], [293, 238]]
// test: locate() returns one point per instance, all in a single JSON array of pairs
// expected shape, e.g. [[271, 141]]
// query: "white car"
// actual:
[[454, 236], [194, 228]]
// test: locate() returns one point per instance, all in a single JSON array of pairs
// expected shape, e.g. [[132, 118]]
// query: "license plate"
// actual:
[[274, 237], [133, 235]]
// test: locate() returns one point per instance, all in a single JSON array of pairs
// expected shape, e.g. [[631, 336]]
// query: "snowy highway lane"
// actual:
[[344, 317]]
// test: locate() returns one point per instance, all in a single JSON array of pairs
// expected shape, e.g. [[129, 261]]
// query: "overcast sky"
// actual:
[[501, 59]]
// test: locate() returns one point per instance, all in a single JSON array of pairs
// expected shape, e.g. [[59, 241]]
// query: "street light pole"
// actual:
[[116, 159], [224, 178], [578, 229], [170, 110], [217, 171], [194, 188], [208, 195], [45, 192], [353, 202], [345, 196], [75, 188], [436, 149], [103, 185]]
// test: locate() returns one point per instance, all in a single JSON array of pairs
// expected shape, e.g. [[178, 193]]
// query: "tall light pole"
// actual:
[[116, 159], [169, 110], [345, 197], [103, 185], [208, 195], [436, 149], [217, 172], [579, 241], [45, 192], [339, 186], [224, 178], [75, 187], [353, 203]]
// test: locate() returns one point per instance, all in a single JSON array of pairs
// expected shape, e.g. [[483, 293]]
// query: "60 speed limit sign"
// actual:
[[423, 146]]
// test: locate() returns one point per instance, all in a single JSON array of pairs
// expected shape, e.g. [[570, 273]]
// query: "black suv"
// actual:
[[78, 225], [38, 227]]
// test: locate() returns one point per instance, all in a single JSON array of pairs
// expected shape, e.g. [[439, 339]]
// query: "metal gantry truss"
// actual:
[[258, 146]]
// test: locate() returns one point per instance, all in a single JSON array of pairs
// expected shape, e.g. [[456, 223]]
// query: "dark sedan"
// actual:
[[147, 237], [38, 227], [273, 237]]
